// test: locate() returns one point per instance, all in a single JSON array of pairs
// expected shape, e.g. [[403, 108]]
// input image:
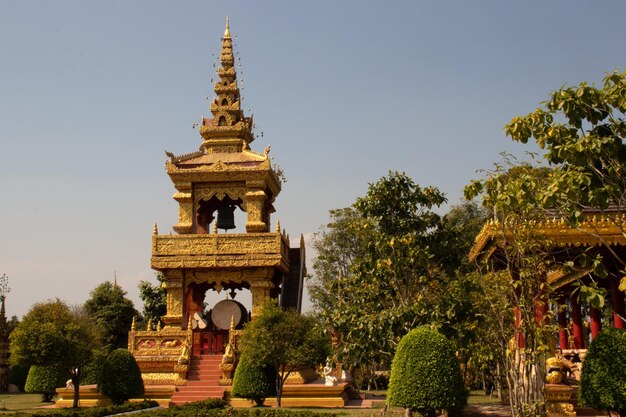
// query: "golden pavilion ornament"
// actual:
[[222, 178]]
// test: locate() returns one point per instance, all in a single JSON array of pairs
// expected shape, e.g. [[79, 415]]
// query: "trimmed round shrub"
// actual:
[[18, 375], [44, 380], [120, 378], [425, 375], [603, 383], [253, 382]]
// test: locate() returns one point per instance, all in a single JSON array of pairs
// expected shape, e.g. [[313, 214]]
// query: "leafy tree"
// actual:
[[50, 334], [283, 340], [391, 276], [389, 263], [154, 299], [113, 313], [603, 384], [425, 375], [485, 354], [336, 246], [460, 225], [44, 379], [120, 379], [253, 382]]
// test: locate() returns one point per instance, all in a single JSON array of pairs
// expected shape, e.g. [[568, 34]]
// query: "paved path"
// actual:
[[487, 410]]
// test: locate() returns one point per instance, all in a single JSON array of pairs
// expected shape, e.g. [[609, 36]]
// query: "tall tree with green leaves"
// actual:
[[51, 335], [337, 246], [382, 269], [391, 262], [285, 341], [113, 313], [154, 299]]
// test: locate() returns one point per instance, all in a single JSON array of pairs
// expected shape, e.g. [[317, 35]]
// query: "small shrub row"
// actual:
[[196, 409], [279, 412], [97, 411]]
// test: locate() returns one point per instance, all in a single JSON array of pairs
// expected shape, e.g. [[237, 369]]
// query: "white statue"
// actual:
[[328, 374]]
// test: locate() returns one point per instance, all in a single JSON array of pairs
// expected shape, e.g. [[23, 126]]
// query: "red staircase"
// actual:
[[202, 380]]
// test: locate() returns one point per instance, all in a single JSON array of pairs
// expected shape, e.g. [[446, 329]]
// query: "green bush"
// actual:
[[209, 404], [18, 375], [195, 409], [425, 375], [253, 382], [91, 372], [603, 383], [44, 380], [120, 378]]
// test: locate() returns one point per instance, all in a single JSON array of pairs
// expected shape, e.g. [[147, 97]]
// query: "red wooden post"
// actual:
[[577, 324], [596, 321]]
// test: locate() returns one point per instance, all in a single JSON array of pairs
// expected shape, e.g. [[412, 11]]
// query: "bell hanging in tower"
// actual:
[[226, 216]]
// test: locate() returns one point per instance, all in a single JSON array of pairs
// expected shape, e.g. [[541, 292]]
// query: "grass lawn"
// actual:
[[11, 403]]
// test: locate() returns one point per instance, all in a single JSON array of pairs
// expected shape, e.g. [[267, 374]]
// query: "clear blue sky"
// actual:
[[92, 93]]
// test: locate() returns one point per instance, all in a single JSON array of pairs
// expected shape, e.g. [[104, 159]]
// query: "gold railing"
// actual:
[[220, 244]]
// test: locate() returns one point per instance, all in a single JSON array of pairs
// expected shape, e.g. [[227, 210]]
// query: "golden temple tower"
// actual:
[[222, 177]]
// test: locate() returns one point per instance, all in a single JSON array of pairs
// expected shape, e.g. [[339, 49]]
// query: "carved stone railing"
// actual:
[[231, 356], [162, 355], [249, 249], [219, 243]]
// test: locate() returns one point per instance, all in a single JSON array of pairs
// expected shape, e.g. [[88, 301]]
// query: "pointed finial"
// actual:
[[155, 229], [133, 326], [232, 322], [115, 278], [215, 228], [158, 326], [227, 30], [278, 226], [149, 326]]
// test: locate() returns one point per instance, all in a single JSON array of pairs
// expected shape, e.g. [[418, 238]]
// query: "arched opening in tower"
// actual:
[[209, 310], [227, 214]]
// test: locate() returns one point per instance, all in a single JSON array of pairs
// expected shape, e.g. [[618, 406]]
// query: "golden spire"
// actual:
[[227, 30], [229, 130]]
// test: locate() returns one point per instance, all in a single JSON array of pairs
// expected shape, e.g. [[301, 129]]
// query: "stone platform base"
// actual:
[[90, 397], [307, 395]]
